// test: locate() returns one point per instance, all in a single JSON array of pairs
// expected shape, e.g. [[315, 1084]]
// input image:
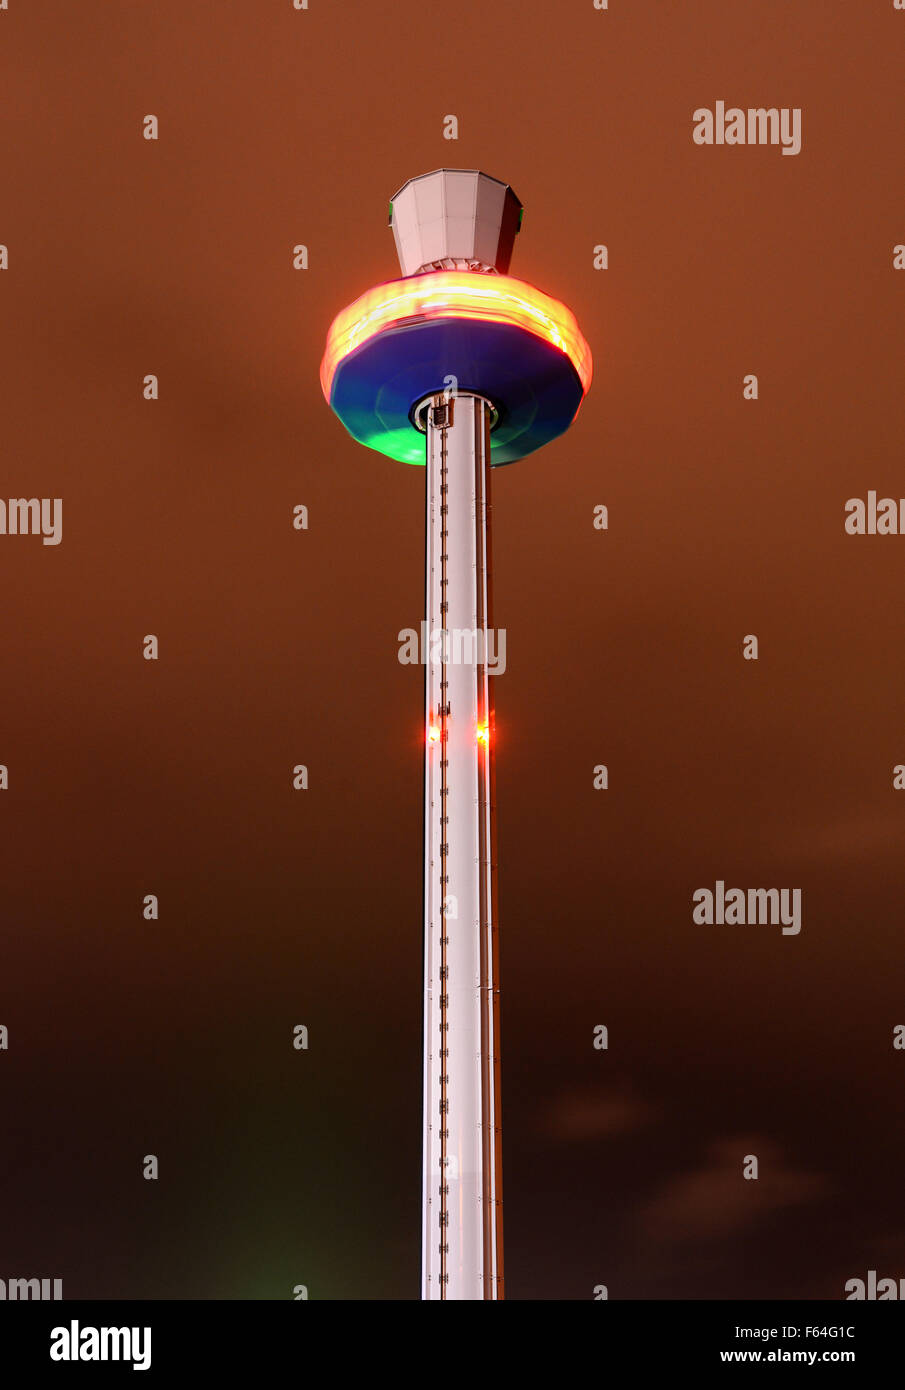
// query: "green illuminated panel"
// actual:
[[405, 445]]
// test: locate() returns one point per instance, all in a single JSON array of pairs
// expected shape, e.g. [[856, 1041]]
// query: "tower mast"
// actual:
[[462, 1197]]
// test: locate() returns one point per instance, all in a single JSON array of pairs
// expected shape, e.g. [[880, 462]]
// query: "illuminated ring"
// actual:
[[499, 337], [418, 413]]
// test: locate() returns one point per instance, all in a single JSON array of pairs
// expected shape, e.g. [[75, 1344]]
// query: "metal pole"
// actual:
[[462, 1197]]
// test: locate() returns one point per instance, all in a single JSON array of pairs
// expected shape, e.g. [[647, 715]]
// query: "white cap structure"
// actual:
[[455, 219]]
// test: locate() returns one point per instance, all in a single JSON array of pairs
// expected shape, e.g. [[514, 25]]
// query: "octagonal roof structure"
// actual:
[[455, 219]]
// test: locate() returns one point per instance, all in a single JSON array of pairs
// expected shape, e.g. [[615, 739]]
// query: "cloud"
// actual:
[[864, 833], [716, 1200], [590, 1112]]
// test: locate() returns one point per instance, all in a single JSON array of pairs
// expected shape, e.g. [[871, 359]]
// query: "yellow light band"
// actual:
[[456, 295]]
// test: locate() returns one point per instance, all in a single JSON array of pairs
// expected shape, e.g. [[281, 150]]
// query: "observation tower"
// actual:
[[459, 368]]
